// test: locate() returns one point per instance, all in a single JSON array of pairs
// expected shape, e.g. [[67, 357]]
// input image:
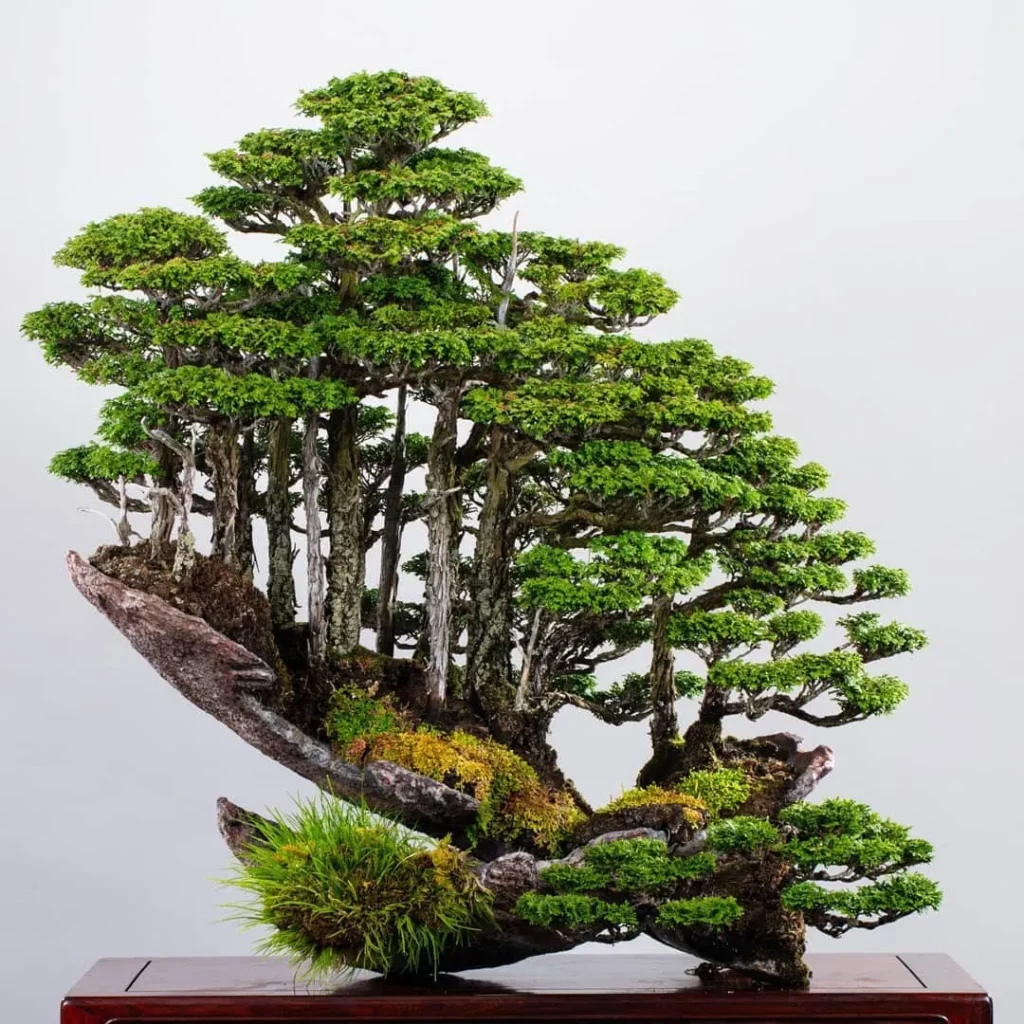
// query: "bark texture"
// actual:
[[224, 460], [314, 551], [345, 567], [444, 512], [245, 549], [664, 723], [280, 578], [391, 535], [166, 483], [489, 676]]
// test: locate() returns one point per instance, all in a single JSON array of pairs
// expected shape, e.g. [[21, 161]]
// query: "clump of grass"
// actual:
[[345, 889]]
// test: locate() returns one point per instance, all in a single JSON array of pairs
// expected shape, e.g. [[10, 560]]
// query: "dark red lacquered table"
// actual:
[[919, 988]]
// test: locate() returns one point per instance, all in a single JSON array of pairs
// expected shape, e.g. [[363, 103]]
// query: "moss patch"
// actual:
[[718, 789], [646, 796], [354, 715], [514, 803]]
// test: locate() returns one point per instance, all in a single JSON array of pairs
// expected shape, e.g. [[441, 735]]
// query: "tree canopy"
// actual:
[[579, 502]]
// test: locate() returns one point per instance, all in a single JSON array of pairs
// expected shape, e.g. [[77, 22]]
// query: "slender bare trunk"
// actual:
[[185, 550], [314, 553], [165, 480], [246, 552], [391, 537], [223, 457], [278, 513], [444, 510], [346, 570], [162, 523]]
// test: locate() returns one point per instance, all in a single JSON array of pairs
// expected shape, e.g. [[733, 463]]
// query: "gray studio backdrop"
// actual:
[[836, 190]]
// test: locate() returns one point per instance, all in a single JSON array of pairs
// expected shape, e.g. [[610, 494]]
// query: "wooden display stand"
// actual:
[[846, 988]]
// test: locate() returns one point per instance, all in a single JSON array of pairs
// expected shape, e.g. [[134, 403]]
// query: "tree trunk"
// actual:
[[664, 723], [391, 538], [314, 553], [489, 676], [163, 511], [246, 552], [667, 753], [444, 510], [162, 523], [703, 739], [346, 570], [280, 581], [224, 458]]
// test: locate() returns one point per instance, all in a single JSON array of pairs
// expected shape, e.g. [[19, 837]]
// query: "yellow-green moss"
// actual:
[[514, 802], [355, 715], [719, 789], [693, 809]]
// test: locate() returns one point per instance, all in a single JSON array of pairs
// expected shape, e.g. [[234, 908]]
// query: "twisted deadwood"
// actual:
[[225, 680]]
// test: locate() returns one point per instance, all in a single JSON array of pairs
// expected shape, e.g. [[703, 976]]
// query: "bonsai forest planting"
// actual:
[[586, 521]]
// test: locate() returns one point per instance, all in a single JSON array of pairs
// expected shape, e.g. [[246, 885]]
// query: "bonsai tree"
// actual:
[[585, 497]]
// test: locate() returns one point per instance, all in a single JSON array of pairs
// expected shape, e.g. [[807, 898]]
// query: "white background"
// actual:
[[835, 188]]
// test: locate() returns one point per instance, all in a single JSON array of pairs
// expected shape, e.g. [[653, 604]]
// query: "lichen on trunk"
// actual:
[[311, 480], [443, 514], [346, 564]]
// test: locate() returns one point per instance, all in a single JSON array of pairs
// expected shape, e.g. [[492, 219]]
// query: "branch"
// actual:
[[600, 711], [835, 925], [510, 273], [122, 539], [108, 494], [790, 707]]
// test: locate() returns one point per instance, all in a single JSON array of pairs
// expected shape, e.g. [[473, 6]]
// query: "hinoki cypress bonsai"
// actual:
[[580, 498]]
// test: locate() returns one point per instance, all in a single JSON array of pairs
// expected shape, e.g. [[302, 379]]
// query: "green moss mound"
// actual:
[[718, 789], [514, 804], [345, 889], [646, 796]]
